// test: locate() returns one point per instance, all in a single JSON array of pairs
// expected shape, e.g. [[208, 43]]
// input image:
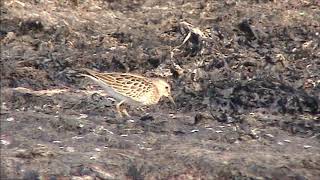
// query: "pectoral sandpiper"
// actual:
[[131, 89]]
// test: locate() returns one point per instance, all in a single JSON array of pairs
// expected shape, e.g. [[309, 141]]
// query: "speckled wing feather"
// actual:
[[126, 84]]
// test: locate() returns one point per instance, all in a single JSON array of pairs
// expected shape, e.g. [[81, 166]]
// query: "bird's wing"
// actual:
[[131, 85]]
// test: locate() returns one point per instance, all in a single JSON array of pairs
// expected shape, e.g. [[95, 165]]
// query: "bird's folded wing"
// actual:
[[131, 85]]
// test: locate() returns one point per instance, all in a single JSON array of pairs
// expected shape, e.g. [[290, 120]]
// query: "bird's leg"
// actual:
[[126, 113], [142, 108], [118, 107]]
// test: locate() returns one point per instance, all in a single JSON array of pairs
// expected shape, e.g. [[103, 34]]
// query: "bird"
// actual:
[[132, 89]]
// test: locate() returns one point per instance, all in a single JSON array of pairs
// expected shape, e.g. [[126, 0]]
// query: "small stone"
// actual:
[[5, 142], [280, 143], [172, 116], [70, 149], [10, 119], [82, 116], [4, 107], [77, 137], [93, 158], [110, 132], [195, 130], [307, 146], [270, 135]]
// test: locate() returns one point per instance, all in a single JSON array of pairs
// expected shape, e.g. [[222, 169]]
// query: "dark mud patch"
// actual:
[[245, 78]]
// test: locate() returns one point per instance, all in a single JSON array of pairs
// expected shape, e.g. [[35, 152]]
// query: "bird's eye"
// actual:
[[167, 87]]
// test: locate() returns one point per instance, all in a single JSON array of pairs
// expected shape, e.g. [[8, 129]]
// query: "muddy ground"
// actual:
[[245, 78]]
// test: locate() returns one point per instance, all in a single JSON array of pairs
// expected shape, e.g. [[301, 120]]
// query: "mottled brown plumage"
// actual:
[[131, 88]]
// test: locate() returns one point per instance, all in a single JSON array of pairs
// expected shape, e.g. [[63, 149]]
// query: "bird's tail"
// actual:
[[87, 72]]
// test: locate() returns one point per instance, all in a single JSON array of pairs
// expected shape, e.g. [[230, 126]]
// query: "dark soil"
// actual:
[[246, 83]]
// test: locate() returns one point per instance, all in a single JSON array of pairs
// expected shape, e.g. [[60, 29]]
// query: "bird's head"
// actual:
[[164, 89]]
